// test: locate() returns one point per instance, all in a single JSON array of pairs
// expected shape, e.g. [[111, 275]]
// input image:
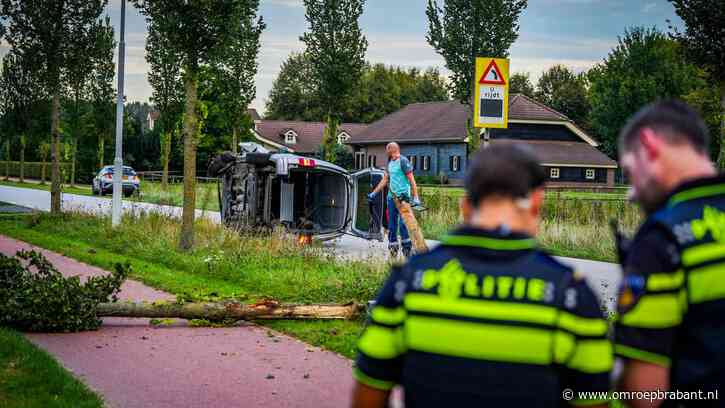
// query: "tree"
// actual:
[[336, 48], [201, 33], [20, 92], [704, 42], [382, 90], [168, 94], [48, 30], [465, 29], [520, 83], [102, 93], [565, 91], [235, 76], [294, 95], [643, 67], [43, 152]]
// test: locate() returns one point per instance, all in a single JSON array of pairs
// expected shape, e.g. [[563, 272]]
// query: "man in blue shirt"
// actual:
[[402, 193]]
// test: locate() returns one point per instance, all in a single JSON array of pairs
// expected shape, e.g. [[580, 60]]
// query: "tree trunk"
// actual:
[[190, 130], [55, 183], [235, 138], [411, 223], [165, 156], [721, 156], [74, 150], [101, 151], [22, 159], [228, 310], [7, 160], [42, 172]]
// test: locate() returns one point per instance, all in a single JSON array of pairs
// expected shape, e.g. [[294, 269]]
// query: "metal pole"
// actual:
[[118, 160]]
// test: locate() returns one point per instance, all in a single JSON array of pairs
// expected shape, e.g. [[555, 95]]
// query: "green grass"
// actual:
[[31, 378], [206, 195], [574, 227], [222, 265]]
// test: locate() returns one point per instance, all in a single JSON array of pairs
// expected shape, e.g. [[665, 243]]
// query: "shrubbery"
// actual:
[[34, 296]]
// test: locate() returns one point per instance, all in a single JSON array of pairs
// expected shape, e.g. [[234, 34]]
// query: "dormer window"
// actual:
[[290, 137], [342, 138]]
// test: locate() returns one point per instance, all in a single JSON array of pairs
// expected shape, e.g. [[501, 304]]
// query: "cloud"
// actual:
[[286, 3], [649, 7]]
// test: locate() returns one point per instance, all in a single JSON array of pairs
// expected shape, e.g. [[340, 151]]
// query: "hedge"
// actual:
[[32, 169]]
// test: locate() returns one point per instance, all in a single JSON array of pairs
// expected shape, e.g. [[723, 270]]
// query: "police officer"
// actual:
[[486, 318], [671, 325]]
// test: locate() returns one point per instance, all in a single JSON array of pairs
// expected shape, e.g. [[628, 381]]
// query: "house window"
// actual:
[[372, 161], [290, 137], [359, 160], [590, 174], [554, 173], [455, 163], [413, 162], [426, 163], [342, 138]]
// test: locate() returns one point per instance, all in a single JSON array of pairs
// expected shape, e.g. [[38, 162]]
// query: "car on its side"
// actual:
[[306, 196], [102, 183]]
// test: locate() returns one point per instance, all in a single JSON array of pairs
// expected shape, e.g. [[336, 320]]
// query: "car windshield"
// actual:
[[127, 171]]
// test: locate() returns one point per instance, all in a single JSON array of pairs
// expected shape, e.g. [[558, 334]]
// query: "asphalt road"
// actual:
[[603, 277]]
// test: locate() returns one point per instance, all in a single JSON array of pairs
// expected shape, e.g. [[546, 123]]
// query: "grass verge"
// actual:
[[223, 265], [31, 378]]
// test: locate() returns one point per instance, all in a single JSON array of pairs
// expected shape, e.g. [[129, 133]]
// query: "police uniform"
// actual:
[[485, 319], [672, 306]]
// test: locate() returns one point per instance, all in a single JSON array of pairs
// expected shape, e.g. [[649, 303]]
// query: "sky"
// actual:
[[576, 33]]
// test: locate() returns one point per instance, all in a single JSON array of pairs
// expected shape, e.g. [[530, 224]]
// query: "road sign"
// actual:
[[491, 98]]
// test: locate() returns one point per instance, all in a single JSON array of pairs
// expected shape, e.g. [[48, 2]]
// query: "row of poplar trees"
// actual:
[[62, 52], [59, 40]]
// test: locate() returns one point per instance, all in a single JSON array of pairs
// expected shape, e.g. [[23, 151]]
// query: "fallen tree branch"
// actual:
[[268, 310]]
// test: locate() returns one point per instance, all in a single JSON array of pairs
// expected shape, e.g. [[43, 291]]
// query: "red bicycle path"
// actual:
[[133, 364]]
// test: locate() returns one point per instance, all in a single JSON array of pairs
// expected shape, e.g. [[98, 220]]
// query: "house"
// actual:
[[434, 138], [300, 137]]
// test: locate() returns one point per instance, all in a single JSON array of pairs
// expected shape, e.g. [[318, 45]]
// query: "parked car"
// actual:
[[103, 181], [310, 197]]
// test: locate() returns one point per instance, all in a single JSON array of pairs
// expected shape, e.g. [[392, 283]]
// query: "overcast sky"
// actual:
[[576, 33]]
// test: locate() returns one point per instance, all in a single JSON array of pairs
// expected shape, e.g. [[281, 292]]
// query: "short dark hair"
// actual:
[[508, 170], [673, 119]]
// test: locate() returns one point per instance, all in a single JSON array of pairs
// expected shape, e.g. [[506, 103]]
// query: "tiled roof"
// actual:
[[309, 134], [566, 153], [524, 108], [443, 121]]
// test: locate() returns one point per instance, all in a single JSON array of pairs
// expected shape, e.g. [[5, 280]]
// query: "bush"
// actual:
[[34, 296]]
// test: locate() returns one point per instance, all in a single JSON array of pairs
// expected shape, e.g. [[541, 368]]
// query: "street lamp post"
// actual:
[[118, 160]]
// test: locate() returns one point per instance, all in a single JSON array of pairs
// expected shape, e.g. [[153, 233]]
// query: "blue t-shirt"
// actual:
[[398, 171]]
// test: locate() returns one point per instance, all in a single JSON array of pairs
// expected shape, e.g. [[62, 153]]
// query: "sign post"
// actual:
[[118, 160], [491, 98]]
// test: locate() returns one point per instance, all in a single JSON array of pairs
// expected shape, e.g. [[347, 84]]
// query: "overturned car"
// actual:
[[261, 190]]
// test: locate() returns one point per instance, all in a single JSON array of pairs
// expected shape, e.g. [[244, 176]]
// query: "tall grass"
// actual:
[[223, 263], [576, 227]]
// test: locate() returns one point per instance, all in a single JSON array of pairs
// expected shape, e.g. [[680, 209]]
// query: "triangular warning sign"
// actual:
[[492, 75]]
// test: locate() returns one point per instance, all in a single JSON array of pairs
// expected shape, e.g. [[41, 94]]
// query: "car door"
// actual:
[[367, 218]]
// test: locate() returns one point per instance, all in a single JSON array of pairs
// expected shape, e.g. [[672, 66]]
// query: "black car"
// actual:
[[103, 181]]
